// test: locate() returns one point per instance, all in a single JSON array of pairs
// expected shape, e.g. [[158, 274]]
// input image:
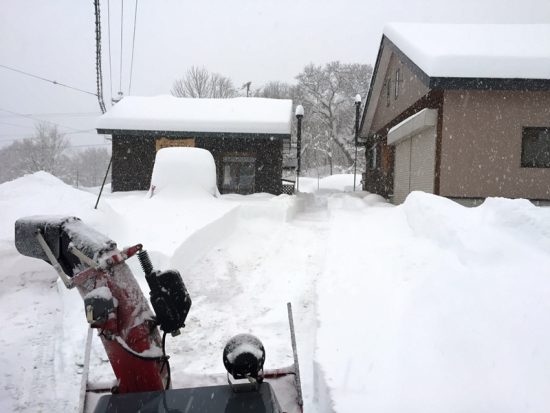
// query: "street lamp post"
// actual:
[[357, 108], [299, 116]]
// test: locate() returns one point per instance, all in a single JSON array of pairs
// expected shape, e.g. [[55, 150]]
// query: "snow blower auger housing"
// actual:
[[115, 306]]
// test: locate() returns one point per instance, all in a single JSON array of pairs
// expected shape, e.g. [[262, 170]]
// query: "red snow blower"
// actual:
[[129, 330]]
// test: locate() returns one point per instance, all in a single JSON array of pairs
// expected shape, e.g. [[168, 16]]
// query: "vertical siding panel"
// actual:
[[423, 161], [402, 171]]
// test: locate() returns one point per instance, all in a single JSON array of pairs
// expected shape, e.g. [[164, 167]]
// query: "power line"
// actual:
[[13, 124], [30, 137], [121, 37], [41, 120], [133, 45], [90, 145], [55, 82], [109, 44], [54, 114]]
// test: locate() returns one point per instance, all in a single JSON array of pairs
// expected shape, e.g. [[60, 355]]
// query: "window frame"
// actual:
[[397, 81], [373, 157], [388, 91]]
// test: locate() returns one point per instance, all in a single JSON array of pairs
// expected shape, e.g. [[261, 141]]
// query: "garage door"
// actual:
[[415, 164]]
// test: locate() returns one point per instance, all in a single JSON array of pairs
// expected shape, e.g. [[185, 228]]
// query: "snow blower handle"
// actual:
[[168, 295]]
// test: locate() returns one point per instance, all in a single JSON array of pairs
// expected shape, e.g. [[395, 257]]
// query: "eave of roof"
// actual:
[[191, 134]]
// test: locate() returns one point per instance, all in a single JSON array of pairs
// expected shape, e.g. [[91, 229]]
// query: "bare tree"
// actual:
[[87, 167], [275, 90], [44, 151], [327, 95], [221, 87], [198, 82]]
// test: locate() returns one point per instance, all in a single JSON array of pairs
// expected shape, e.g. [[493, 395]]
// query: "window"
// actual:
[[388, 91], [238, 174], [373, 156], [397, 82], [535, 148]]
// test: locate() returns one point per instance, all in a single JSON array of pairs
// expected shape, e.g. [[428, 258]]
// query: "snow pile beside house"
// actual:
[[43, 194], [184, 171], [434, 307]]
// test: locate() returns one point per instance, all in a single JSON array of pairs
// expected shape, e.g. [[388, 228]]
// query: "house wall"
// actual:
[[134, 158], [268, 153], [411, 88], [412, 91], [481, 144]]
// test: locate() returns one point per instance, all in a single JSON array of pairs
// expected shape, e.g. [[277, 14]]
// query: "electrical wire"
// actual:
[[90, 145], [55, 82], [121, 38], [41, 120], [109, 47], [133, 45], [27, 137], [54, 114], [19, 126]]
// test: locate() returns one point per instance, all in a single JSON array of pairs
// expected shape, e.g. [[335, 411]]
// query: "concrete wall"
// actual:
[[481, 144]]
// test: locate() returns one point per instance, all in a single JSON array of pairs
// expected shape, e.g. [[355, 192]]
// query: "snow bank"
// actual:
[[434, 307], [45, 375], [184, 172], [341, 182], [170, 113], [44, 194], [475, 50], [428, 306], [280, 208]]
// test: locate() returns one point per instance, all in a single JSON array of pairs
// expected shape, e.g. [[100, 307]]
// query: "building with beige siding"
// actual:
[[461, 111]]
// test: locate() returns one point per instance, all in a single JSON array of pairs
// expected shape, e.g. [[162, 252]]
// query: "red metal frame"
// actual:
[[139, 366]]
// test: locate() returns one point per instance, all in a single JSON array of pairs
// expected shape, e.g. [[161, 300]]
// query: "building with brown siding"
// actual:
[[244, 135], [461, 111]]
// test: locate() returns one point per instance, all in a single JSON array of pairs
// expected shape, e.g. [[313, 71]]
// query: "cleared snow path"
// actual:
[[32, 341], [243, 285]]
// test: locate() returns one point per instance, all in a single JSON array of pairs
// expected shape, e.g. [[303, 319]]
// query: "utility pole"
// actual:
[[357, 109], [247, 86]]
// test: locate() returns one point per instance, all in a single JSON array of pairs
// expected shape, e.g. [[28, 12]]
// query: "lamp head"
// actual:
[[299, 111]]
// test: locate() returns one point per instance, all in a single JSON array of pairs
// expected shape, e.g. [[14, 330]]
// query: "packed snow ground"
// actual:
[[428, 306]]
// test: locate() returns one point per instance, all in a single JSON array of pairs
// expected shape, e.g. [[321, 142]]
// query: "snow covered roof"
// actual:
[[170, 113], [413, 125], [507, 51]]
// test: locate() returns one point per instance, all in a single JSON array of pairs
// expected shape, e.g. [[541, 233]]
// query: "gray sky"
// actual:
[[247, 40]]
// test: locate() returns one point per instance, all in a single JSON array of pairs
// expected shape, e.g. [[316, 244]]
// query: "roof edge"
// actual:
[[191, 134]]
